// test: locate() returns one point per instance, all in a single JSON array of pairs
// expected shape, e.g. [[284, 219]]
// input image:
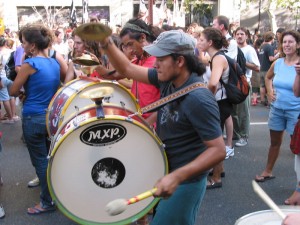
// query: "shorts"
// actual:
[[6, 83], [262, 76], [255, 80], [280, 120], [225, 109]]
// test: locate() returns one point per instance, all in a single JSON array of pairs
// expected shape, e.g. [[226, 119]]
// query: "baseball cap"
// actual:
[[169, 42]]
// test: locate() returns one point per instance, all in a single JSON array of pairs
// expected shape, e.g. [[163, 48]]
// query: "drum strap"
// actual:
[[178, 94]]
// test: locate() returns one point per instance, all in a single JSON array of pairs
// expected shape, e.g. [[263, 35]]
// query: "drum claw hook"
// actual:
[[75, 121]]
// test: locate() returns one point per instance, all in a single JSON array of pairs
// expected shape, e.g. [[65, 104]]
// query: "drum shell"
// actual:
[[140, 152]]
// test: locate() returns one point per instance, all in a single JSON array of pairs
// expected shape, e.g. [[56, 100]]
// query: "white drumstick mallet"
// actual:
[[118, 206], [263, 195]]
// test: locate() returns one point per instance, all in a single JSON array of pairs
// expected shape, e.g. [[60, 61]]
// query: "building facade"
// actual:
[[16, 13]]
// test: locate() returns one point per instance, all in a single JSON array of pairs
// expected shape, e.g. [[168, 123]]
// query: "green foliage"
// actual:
[[198, 5], [286, 4]]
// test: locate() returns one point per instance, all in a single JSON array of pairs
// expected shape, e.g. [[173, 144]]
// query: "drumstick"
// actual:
[[263, 195], [118, 206]]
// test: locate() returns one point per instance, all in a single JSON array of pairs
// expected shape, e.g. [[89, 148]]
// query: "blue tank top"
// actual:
[[283, 82], [41, 86]]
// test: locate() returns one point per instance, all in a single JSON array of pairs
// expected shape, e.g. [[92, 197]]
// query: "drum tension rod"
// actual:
[[99, 108]]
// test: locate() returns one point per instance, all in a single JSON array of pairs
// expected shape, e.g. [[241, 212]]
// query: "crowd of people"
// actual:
[[198, 130]]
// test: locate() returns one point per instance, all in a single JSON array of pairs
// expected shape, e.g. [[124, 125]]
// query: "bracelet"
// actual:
[[105, 46], [109, 73]]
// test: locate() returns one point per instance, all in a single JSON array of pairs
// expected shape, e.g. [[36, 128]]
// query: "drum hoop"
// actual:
[[73, 217], [70, 100]]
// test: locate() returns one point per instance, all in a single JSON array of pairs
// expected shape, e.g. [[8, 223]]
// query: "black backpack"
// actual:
[[10, 67], [237, 88], [240, 59]]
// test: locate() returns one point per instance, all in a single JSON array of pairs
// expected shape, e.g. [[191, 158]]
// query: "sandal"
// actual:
[[37, 209], [264, 178], [212, 184], [212, 172]]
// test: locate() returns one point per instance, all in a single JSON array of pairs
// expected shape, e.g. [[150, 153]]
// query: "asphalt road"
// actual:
[[222, 206]]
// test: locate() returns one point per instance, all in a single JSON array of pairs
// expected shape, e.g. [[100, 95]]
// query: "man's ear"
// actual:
[[180, 61]]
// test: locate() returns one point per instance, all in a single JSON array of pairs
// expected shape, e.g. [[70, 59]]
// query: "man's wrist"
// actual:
[[105, 44]]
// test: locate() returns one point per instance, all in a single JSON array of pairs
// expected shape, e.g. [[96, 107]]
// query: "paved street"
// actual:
[[220, 207]]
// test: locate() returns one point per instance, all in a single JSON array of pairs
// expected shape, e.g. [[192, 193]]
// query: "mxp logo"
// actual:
[[103, 134]]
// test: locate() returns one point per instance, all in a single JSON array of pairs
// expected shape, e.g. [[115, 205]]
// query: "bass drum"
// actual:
[[266, 217], [95, 161], [67, 100]]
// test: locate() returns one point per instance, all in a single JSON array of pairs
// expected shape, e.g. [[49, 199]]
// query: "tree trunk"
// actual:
[[271, 6]]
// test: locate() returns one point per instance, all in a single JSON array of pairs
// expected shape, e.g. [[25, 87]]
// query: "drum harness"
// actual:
[[170, 98]]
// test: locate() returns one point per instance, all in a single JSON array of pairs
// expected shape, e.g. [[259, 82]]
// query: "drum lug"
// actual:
[[99, 110], [75, 121], [162, 147], [129, 119]]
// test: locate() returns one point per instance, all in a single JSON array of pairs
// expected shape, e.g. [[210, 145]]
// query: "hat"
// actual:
[[169, 42]]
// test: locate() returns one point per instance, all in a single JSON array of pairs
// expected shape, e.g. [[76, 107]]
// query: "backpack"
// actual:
[[10, 67], [240, 59], [237, 88]]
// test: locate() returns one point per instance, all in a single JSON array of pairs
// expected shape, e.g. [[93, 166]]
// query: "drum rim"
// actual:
[[69, 100], [73, 217], [284, 208]]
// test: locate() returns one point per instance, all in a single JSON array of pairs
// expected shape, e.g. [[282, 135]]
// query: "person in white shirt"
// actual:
[[60, 45], [241, 117]]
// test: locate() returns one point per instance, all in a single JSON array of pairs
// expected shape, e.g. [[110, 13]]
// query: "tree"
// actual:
[[271, 5], [49, 17]]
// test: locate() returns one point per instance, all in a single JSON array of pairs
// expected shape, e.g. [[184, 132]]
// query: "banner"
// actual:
[[73, 15], [85, 13]]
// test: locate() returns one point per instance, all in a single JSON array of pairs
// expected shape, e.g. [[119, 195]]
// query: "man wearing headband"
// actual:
[[189, 126], [135, 35]]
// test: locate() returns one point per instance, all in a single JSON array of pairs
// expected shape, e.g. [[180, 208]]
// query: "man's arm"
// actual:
[[252, 66]]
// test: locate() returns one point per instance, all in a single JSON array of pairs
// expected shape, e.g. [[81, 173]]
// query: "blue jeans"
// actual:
[[35, 135], [183, 206]]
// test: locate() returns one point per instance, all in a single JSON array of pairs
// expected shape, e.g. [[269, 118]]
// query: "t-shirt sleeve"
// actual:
[[18, 56], [252, 57], [152, 77]]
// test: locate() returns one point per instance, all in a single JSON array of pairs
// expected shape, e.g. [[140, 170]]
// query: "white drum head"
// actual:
[[266, 217], [104, 160]]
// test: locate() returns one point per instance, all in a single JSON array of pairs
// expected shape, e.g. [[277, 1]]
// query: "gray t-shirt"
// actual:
[[185, 123]]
